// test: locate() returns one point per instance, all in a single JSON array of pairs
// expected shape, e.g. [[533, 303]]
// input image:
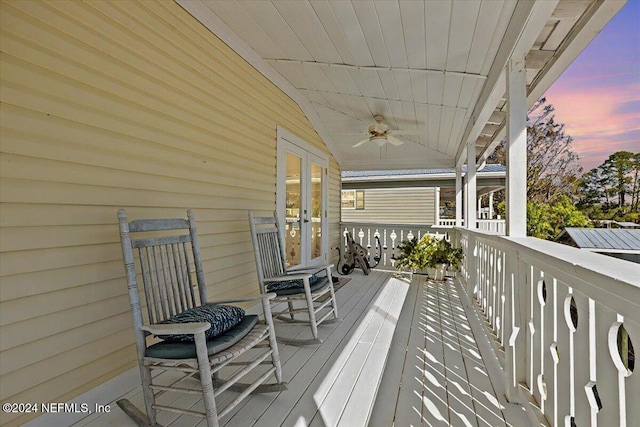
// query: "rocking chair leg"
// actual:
[[312, 313], [206, 380], [139, 417], [275, 355], [290, 304], [149, 398]]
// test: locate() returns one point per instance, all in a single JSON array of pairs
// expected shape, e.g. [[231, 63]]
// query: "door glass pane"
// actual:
[[292, 226], [316, 210]]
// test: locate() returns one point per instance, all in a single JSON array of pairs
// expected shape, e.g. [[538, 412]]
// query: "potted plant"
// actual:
[[429, 254], [445, 257], [415, 254]]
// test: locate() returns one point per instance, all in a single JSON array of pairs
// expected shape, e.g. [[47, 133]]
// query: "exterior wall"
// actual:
[[395, 206], [108, 105]]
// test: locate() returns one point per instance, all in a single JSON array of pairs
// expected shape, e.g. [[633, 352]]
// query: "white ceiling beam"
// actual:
[[528, 19], [374, 67], [199, 10]]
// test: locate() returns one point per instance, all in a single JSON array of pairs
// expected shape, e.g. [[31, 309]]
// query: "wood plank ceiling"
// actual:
[[419, 64]]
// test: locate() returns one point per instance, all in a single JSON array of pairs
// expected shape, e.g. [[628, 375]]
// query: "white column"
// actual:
[[470, 194], [479, 208], [437, 202], [491, 205], [459, 196], [516, 224], [516, 189]]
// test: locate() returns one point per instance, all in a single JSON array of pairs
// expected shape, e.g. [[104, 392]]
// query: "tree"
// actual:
[[553, 175], [618, 167], [612, 190], [547, 220], [553, 168]]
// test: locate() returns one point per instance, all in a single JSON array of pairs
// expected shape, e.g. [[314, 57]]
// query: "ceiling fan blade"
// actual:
[[394, 141], [407, 132], [364, 141]]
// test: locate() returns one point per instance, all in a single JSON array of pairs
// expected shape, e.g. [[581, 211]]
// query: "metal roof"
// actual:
[[604, 238]]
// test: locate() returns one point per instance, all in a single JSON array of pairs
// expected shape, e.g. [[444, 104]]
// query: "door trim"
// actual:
[[287, 141]]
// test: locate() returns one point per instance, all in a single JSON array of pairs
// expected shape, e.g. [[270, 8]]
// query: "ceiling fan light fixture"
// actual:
[[379, 140]]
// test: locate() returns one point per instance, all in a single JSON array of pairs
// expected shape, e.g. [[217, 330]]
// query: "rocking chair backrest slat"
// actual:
[[165, 264], [268, 251]]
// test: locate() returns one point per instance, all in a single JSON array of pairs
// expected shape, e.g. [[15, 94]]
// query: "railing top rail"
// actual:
[[392, 225], [487, 233]]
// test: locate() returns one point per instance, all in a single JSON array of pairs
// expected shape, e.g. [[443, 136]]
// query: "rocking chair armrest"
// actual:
[[310, 268], [288, 277], [177, 328], [269, 295]]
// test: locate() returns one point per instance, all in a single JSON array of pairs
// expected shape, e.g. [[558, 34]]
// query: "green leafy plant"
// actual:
[[445, 253], [427, 252]]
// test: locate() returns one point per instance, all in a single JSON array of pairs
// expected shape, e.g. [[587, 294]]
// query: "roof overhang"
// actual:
[[433, 67], [378, 179]]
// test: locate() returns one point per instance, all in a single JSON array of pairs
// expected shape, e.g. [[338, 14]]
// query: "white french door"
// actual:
[[302, 200]]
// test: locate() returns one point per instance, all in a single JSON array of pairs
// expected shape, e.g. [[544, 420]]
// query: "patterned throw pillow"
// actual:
[[290, 284], [221, 317]]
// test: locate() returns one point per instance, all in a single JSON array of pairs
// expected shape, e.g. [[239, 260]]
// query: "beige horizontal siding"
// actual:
[[395, 206], [108, 105]]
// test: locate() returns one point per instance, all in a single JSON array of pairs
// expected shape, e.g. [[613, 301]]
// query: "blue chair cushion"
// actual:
[[221, 317], [296, 288], [187, 350]]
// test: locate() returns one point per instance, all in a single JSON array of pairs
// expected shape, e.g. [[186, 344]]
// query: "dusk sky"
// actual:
[[598, 96]]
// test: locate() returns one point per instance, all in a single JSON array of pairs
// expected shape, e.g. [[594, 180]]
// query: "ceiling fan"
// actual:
[[379, 133]]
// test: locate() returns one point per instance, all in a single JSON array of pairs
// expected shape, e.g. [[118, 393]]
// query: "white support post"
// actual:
[[516, 224], [437, 203], [470, 220], [470, 194], [516, 190], [459, 196], [491, 205], [480, 208]]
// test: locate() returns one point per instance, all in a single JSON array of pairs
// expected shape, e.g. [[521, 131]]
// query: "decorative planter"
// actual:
[[441, 272]]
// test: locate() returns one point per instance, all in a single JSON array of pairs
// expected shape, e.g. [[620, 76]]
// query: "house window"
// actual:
[[353, 199]]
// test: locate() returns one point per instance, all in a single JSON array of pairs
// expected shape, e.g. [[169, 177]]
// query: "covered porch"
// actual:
[[528, 333], [404, 354], [158, 107]]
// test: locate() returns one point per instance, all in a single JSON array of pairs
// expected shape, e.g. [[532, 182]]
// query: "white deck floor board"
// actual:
[[306, 363], [434, 375], [303, 405], [383, 412], [444, 379]]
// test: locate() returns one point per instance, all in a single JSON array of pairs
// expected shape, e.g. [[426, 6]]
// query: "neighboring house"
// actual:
[[618, 243], [410, 196]]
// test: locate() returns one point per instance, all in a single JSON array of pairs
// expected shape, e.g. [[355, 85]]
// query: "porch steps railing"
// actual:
[[566, 320]]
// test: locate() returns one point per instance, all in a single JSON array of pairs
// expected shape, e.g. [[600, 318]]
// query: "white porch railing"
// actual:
[[390, 236], [557, 312], [495, 225]]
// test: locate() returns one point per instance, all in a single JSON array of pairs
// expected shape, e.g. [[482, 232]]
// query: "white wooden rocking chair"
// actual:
[[164, 260], [291, 285]]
